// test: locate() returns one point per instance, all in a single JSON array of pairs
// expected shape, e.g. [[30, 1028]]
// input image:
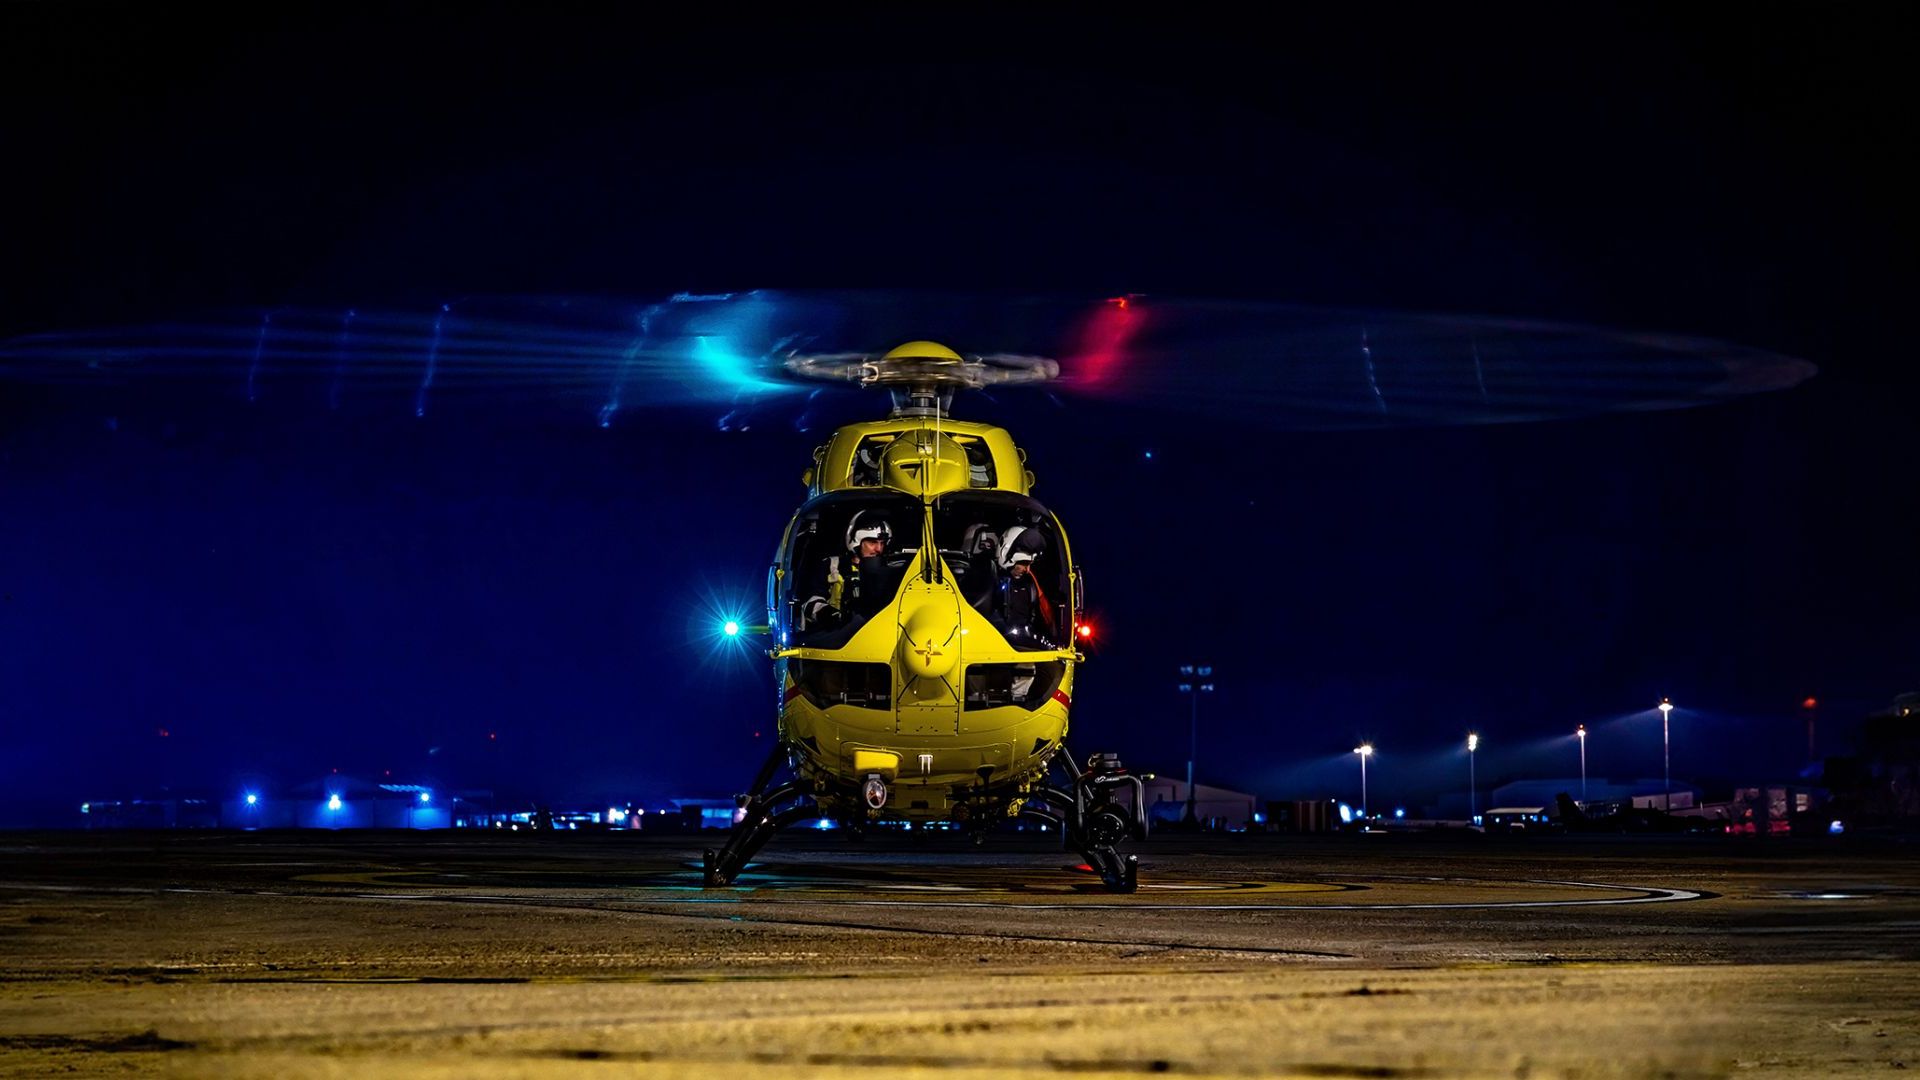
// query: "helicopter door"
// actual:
[[928, 699]]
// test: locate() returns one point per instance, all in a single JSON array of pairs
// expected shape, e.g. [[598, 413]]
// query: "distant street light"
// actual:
[[1666, 759], [1199, 680], [1582, 732], [1473, 786], [1365, 750]]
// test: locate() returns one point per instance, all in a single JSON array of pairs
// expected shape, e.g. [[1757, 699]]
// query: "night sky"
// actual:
[[502, 593]]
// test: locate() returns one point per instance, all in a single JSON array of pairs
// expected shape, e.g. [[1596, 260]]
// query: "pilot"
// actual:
[[858, 584], [1026, 615]]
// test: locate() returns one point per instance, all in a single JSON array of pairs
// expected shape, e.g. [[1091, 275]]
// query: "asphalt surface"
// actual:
[[353, 954]]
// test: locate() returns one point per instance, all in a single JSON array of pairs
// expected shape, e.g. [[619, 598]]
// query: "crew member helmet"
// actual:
[[1022, 545], [867, 526]]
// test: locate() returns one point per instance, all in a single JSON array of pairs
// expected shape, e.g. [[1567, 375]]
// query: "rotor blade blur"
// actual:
[[1270, 365]]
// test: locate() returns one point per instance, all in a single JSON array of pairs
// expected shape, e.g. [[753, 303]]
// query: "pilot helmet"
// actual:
[[867, 525], [1022, 545]]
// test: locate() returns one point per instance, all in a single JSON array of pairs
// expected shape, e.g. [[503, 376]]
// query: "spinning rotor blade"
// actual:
[[1266, 364]]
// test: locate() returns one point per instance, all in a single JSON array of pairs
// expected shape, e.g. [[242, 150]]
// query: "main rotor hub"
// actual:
[[923, 375]]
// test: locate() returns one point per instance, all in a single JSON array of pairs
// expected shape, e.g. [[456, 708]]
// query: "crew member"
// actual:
[[1026, 615], [856, 585]]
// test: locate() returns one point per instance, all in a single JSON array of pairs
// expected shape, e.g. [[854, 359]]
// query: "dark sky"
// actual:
[[285, 589]]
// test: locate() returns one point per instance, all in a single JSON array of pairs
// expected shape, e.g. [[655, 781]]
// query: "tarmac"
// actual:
[[496, 955]]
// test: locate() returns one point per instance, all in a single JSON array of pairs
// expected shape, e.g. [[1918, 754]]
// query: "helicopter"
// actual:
[[927, 613]]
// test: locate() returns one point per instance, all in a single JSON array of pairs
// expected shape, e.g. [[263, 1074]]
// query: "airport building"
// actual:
[[1213, 807], [340, 802]]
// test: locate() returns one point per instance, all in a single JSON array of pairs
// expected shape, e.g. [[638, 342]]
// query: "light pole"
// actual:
[[1365, 750], [1582, 732], [1666, 759], [1811, 707], [1193, 689], [1473, 786]]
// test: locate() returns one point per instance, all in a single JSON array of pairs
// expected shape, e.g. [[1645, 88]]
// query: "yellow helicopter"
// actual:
[[926, 613]]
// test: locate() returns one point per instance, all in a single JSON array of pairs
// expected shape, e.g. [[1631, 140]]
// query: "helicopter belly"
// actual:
[[841, 746]]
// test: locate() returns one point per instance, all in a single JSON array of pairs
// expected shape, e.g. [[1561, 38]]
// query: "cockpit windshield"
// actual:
[[1010, 564], [845, 561], [879, 460]]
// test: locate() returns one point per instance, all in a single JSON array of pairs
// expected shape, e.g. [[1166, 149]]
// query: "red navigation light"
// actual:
[[1084, 631], [1810, 703]]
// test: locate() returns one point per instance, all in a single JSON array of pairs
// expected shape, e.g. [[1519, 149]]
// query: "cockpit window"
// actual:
[[1008, 560], [869, 459], [844, 564], [980, 471]]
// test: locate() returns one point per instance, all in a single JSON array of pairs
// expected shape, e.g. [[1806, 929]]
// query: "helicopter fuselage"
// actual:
[[927, 676]]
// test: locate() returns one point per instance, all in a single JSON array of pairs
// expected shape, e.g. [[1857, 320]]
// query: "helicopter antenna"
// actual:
[[922, 376]]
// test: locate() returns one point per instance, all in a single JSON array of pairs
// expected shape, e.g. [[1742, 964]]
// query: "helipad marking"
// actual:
[[1643, 894]]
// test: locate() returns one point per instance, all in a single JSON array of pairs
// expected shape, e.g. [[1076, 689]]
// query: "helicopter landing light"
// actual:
[[875, 762], [875, 791]]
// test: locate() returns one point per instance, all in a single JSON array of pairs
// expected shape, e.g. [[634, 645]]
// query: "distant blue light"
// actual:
[[1149, 455], [426, 797], [333, 802], [252, 799], [1837, 828], [1346, 814], [823, 824], [1398, 812]]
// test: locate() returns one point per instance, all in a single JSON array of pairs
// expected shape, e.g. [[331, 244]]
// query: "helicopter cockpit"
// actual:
[[850, 550], [1007, 558], [844, 563]]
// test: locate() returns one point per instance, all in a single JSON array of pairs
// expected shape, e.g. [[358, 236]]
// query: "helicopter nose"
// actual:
[[930, 641]]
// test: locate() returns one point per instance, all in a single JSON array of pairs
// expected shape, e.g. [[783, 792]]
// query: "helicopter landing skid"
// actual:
[[759, 818], [1092, 817], [1094, 821]]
